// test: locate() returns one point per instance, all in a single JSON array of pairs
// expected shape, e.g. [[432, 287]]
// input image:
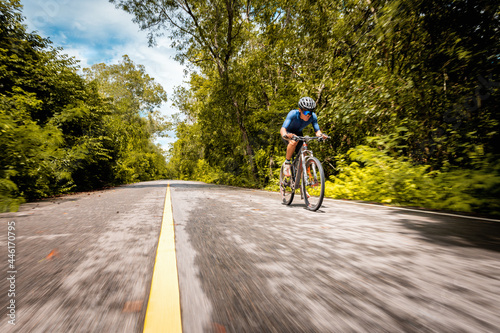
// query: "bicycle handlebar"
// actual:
[[308, 138]]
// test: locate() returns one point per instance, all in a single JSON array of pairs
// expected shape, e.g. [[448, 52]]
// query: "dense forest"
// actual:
[[64, 130], [407, 89]]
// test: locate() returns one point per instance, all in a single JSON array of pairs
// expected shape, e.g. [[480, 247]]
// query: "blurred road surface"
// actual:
[[246, 263]]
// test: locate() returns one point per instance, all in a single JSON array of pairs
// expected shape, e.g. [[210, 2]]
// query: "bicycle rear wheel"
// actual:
[[313, 184], [286, 188]]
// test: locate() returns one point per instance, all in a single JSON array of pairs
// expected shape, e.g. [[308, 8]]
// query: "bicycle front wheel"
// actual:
[[286, 187], [313, 184]]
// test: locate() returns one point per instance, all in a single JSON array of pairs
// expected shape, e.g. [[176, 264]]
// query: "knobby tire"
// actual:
[[313, 184]]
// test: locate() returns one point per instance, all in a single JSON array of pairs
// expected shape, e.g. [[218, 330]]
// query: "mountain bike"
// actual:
[[306, 173]]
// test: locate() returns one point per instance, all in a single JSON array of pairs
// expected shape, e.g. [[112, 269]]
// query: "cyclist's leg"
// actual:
[[297, 148], [293, 147], [286, 182], [290, 148]]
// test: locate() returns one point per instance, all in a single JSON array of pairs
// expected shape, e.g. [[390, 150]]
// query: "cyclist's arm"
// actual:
[[288, 120], [284, 133], [316, 127], [321, 134]]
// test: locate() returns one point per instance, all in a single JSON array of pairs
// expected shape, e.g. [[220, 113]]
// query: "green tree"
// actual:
[[209, 35], [133, 121], [60, 132], [416, 79], [31, 154]]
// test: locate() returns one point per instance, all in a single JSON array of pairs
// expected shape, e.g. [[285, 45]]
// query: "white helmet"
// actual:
[[307, 103]]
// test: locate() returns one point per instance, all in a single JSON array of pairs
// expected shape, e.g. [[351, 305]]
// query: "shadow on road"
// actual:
[[455, 231]]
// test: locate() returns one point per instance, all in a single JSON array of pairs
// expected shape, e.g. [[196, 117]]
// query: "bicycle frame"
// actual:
[[303, 155], [312, 188]]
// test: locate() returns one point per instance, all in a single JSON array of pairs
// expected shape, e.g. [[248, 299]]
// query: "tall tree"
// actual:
[[134, 119], [419, 78], [60, 132], [32, 150], [208, 34]]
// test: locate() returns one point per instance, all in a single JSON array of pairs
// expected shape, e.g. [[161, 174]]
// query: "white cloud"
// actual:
[[94, 31], [78, 54], [95, 18]]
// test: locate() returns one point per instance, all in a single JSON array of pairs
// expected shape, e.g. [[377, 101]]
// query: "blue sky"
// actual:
[[94, 31]]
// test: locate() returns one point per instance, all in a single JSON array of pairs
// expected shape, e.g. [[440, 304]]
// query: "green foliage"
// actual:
[[275, 169], [118, 142], [416, 79], [31, 153], [62, 132], [370, 174], [9, 201], [205, 173]]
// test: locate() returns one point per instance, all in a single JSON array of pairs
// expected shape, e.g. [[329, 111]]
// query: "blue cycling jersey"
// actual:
[[293, 123]]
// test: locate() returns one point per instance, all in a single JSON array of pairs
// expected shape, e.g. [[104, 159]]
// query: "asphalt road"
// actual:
[[246, 263]]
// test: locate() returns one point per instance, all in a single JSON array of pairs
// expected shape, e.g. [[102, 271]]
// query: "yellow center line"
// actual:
[[164, 310]]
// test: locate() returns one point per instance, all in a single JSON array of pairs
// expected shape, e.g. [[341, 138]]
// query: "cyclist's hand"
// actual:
[[295, 138], [323, 137]]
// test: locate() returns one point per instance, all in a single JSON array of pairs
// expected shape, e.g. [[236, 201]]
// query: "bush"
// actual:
[[274, 181], [208, 174], [9, 202], [370, 174]]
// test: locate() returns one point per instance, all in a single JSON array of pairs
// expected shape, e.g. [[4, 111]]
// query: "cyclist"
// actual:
[[294, 124]]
